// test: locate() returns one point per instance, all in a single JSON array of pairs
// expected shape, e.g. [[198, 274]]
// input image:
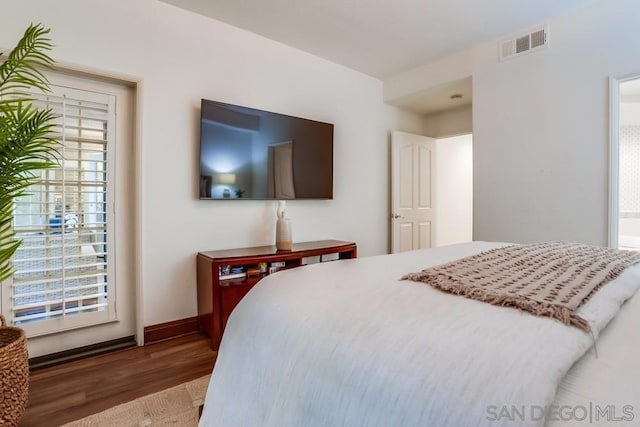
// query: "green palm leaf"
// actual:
[[22, 70], [27, 140]]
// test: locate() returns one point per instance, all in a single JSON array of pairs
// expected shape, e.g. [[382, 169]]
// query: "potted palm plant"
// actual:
[[27, 145]]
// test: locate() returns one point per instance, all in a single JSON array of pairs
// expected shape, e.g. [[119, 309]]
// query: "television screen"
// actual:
[[253, 154]]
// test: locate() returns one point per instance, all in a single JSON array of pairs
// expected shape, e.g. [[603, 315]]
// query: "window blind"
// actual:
[[62, 267]]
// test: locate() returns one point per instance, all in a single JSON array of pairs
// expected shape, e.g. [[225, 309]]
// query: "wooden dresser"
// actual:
[[225, 276]]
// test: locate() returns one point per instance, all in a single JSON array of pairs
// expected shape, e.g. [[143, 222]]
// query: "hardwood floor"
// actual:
[[74, 390]]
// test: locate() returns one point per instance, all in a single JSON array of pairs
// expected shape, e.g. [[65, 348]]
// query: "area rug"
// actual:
[[178, 406]]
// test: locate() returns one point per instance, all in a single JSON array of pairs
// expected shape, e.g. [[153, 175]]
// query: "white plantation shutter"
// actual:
[[63, 270]]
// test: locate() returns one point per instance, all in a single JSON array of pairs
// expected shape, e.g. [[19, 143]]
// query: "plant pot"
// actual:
[[14, 374]]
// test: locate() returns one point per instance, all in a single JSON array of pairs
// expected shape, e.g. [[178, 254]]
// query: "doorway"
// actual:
[[431, 191], [74, 281], [455, 190], [624, 200], [444, 214]]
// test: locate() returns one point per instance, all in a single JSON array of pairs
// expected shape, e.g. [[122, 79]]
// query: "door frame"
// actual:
[[614, 156]]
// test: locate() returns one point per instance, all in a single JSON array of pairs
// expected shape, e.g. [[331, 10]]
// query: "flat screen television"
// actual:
[[247, 153]]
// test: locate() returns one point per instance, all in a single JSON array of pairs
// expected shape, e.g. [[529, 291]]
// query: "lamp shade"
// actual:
[[226, 178]]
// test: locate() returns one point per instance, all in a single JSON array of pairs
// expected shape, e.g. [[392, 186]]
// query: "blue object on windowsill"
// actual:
[[55, 222]]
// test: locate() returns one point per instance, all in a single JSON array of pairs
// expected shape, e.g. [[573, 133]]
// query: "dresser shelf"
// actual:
[[218, 296]]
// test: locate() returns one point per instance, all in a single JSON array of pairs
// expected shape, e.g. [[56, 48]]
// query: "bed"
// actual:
[[347, 343]]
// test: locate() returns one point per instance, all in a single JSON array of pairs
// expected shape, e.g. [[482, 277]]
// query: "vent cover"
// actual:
[[527, 43]]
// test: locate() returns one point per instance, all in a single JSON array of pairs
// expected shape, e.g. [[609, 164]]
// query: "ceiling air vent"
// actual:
[[526, 43]]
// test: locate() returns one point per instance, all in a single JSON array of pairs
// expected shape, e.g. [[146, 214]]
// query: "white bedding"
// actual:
[[347, 344]]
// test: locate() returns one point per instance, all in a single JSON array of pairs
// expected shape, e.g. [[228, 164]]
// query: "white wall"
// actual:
[[540, 125], [454, 190], [449, 123], [182, 57]]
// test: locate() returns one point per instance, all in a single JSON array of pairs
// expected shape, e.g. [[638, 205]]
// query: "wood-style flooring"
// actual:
[[74, 390]]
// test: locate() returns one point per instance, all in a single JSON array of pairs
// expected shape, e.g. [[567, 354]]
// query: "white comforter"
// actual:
[[348, 344]]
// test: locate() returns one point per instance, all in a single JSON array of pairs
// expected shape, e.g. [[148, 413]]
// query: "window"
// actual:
[[63, 270]]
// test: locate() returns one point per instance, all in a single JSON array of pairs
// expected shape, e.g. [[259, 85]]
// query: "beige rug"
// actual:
[[178, 406]]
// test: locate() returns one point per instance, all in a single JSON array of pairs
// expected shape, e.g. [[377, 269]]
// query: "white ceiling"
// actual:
[[381, 37]]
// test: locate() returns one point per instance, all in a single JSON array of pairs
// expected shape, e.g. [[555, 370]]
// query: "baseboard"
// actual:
[[152, 334], [169, 330], [53, 359]]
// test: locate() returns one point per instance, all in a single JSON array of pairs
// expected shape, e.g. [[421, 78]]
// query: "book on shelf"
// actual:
[[232, 276], [228, 272], [329, 257]]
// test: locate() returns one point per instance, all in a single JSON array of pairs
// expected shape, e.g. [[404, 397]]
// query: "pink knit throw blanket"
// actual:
[[549, 279]]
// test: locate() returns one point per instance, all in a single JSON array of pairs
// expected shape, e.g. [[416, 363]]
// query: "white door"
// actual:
[[74, 280], [413, 213]]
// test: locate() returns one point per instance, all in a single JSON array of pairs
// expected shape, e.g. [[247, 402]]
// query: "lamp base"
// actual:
[[284, 245]]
